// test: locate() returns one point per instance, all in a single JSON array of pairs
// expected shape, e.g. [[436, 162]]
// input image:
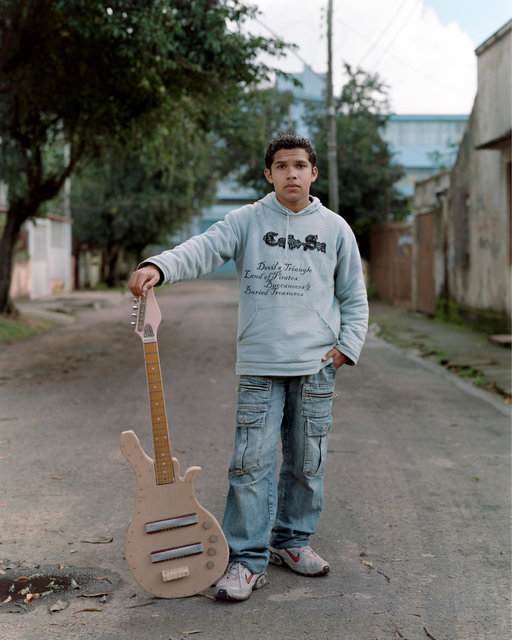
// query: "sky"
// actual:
[[424, 50]]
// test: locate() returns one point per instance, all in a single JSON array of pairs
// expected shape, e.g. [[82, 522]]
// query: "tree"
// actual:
[[366, 173], [90, 73], [136, 194], [259, 116]]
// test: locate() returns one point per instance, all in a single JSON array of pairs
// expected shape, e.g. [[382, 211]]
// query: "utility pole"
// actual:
[[332, 163]]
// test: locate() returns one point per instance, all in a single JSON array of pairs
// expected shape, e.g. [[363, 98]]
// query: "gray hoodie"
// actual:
[[300, 279]]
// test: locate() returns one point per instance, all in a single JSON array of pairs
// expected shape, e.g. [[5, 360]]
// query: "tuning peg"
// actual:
[[134, 315], [135, 307], [135, 300], [133, 323]]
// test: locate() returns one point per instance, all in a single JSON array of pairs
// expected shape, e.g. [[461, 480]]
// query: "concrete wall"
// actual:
[[494, 58], [479, 177], [45, 266], [472, 262], [431, 197]]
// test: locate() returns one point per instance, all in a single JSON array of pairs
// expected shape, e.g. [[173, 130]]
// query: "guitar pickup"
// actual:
[[177, 552], [171, 523]]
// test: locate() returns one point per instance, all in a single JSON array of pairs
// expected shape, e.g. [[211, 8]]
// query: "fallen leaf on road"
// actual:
[[30, 597], [94, 609], [144, 604], [92, 595], [60, 605], [189, 633], [98, 540], [367, 564], [8, 599]]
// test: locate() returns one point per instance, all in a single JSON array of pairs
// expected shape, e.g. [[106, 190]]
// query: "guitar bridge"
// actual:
[[177, 552], [175, 574], [171, 523]]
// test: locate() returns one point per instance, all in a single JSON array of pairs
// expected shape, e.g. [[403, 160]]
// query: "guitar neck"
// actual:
[[162, 446]]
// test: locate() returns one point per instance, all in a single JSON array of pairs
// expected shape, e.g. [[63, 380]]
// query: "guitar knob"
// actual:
[[133, 322], [135, 300], [135, 307], [134, 315]]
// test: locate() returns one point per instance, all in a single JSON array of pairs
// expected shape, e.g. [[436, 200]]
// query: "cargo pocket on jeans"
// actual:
[[315, 449], [317, 399], [250, 427]]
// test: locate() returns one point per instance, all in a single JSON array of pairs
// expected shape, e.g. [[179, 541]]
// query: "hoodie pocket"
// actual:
[[285, 334]]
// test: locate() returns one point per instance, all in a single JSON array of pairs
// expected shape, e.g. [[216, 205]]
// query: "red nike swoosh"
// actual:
[[294, 558]]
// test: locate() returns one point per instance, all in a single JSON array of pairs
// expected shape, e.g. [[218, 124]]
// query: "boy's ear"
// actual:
[[314, 174], [268, 175]]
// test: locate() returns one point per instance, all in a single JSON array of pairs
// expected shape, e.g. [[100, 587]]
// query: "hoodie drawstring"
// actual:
[[286, 241]]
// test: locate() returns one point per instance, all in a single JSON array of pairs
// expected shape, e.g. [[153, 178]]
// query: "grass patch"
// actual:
[[12, 329]]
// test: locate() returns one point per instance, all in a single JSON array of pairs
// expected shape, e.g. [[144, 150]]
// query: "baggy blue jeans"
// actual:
[[260, 511]]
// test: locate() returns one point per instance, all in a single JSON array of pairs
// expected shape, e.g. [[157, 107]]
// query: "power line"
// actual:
[[398, 32], [382, 33], [293, 52], [364, 37], [402, 61]]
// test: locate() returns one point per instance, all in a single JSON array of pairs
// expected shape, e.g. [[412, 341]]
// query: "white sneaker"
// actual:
[[238, 582], [302, 560]]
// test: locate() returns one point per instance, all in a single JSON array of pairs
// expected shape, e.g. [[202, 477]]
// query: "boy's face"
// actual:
[[291, 174]]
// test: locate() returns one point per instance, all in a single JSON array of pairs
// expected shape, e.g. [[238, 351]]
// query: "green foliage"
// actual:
[[91, 74], [12, 329], [259, 115], [366, 174], [487, 321], [134, 196]]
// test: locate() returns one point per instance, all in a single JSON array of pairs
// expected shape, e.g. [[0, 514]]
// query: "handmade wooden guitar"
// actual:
[[173, 547]]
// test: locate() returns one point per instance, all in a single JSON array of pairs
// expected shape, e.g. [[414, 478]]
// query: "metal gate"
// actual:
[[390, 261], [425, 289]]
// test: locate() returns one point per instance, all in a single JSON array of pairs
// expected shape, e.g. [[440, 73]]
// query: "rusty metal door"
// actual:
[[426, 301], [390, 261]]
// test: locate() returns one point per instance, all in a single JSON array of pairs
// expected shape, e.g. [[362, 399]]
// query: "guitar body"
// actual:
[[186, 575], [174, 547]]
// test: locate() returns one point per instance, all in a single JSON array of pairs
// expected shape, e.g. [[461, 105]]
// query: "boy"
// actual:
[[302, 314]]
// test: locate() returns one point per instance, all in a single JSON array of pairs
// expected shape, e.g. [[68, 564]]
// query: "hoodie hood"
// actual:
[[271, 201]]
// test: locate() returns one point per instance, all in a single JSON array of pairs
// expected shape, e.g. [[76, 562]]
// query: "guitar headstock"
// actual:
[[146, 316]]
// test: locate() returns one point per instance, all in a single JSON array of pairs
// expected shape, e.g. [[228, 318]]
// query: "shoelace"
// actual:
[[232, 571]]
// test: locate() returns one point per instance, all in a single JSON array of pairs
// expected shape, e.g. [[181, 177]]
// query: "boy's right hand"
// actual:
[[143, 279]]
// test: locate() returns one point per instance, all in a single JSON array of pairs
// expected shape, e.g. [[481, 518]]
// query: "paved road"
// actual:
[[416, 522]]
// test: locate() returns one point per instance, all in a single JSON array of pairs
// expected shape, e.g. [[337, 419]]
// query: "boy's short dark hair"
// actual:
[[287, 140]]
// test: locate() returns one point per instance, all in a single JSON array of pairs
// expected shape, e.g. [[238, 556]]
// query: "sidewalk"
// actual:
[[459, 349], [66, 307]]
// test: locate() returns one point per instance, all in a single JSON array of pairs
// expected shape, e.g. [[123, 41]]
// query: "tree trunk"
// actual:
[[110, 265], [16, 216]]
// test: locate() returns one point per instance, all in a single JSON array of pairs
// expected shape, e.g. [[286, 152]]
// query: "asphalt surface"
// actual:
[[416, 522]]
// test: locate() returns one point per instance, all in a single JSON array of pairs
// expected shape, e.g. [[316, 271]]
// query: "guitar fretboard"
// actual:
[[162, 447]]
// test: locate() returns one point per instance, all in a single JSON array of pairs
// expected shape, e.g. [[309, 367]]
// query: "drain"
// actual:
[[22, 587]]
